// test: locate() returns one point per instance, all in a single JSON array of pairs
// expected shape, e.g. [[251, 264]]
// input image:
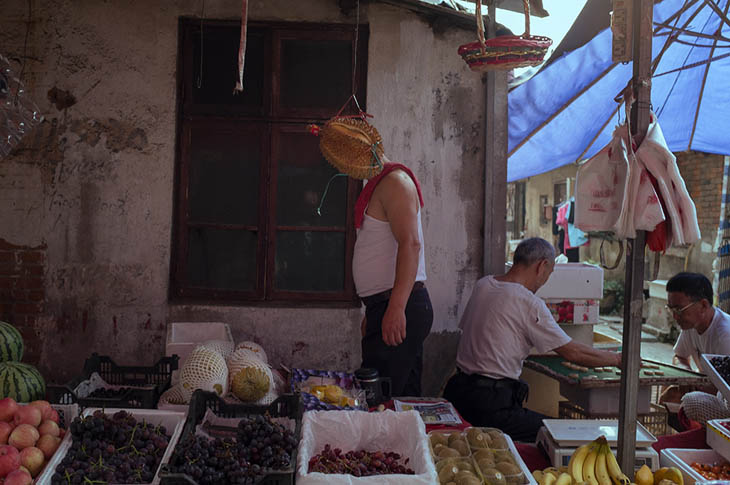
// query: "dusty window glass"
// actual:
[[250, 175]]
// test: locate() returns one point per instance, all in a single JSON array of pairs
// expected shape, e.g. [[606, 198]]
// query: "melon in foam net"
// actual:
[[204, 369], [251, 379]]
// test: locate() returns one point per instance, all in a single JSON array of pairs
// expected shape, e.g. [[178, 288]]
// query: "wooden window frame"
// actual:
[[271, 122]]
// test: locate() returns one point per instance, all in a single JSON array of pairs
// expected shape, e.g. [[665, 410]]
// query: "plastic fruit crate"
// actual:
[[144, 384], [655, 421], [286, 406]]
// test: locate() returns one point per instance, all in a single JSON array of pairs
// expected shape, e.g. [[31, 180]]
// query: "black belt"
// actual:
[[385, 295], [479, 380]]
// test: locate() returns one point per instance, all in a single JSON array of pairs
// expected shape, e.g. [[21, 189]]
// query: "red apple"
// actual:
[[18, 477], [44, 407], [53, 416], [9, 459], [28, 415], [8, 406], [48, 444], [23, 436], [5, 430], [33, 459], [47, 427]]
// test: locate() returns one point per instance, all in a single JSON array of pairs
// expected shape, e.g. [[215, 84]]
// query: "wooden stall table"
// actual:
[[594, 392]]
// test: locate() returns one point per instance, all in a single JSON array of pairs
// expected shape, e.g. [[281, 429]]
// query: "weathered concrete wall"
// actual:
[[93, 185]]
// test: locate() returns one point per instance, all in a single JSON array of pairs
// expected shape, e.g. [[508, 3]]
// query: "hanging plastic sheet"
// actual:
[[18, 113]]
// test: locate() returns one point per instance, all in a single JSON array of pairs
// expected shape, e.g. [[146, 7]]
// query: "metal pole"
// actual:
[[495, 164], [631, 352]]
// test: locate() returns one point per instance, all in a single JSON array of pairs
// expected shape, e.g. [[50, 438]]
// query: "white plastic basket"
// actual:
[[173, 421]]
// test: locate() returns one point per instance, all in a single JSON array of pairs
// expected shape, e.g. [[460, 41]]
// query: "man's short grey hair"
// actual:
[[532, 250]]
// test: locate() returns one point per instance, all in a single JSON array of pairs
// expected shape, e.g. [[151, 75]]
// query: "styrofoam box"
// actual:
[[174, 423], [714, 376], [183, 337], [603, 400], [573, 281], [584, 311], [682, 458], [718, 437], [561, 456]]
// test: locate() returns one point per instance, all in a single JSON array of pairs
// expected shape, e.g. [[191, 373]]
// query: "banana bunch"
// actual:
[[591, 464]]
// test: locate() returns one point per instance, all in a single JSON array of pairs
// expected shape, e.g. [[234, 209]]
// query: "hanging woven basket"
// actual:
[[506, 51]]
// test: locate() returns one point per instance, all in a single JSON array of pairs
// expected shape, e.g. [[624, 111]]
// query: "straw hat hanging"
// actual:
[[351, 145]]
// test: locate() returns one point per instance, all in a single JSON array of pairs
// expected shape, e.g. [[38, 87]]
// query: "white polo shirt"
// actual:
[[715, 340], [501, 324]]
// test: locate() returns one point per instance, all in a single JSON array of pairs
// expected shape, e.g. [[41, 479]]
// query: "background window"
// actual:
[[249, 174]]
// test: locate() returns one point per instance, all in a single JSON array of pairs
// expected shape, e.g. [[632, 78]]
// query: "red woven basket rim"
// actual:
[[513, 41]]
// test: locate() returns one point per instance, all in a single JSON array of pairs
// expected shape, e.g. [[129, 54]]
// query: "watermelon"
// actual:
[[11, 343], [22, 382]]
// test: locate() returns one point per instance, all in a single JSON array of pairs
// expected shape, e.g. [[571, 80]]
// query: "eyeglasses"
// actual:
[[678, 311]]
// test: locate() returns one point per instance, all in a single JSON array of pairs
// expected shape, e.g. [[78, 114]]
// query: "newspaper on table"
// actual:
[[432, 412]]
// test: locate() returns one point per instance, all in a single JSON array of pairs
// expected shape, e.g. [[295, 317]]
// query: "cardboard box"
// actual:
[[561, 456], [573, 281], [574, 311]]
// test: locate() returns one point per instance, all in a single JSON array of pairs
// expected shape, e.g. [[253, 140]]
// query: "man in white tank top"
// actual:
[[389, 271]]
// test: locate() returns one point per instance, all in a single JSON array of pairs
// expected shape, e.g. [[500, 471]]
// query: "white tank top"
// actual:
[[373, 261]]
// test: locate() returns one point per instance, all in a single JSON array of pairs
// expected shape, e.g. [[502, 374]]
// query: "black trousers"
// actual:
[[402, 363], [495, 403]]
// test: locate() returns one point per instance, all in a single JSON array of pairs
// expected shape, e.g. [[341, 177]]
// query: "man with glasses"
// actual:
[[705, 330]]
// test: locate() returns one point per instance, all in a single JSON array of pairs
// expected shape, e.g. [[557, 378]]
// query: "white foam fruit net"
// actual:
[[703, 407], [258, 350], [174, 395], [250, 379], [223, 347], [204, 369]]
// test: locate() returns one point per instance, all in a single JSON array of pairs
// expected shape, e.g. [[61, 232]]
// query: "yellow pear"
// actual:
[[644, 476]]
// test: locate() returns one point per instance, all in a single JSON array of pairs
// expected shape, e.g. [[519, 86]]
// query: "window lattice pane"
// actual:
[[315, 73], [218, 258], [310, 261], [302, 177], [220, 67], [224, 175]]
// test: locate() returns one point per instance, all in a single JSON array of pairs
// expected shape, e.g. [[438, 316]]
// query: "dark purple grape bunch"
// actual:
[[265, 443], [722, 365], [212, 461], [112, 449], [109, 393], [358, 463], [259, 447]]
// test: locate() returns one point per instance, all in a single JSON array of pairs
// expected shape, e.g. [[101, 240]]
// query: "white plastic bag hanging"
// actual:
[[641, 209], [662, 164], [600, 187]]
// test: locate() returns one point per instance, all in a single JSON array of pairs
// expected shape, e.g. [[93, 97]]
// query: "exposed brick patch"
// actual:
[[703, 173], [22, 292]]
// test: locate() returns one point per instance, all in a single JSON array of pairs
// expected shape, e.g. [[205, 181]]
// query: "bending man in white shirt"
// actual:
[[502, 322]]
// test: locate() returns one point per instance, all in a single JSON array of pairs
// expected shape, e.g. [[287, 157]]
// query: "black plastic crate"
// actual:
[[285, 406], [156, 378]]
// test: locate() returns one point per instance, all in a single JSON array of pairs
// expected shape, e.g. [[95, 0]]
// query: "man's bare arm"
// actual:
[[584, 355], [399, 199]]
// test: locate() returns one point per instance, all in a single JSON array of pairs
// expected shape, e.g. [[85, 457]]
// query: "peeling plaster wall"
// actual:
[[93, 183]]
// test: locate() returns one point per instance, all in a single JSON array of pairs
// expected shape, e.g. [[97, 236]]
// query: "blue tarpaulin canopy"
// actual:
[[567, 112]]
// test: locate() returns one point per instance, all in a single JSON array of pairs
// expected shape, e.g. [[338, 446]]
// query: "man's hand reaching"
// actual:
[[394, 326]]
